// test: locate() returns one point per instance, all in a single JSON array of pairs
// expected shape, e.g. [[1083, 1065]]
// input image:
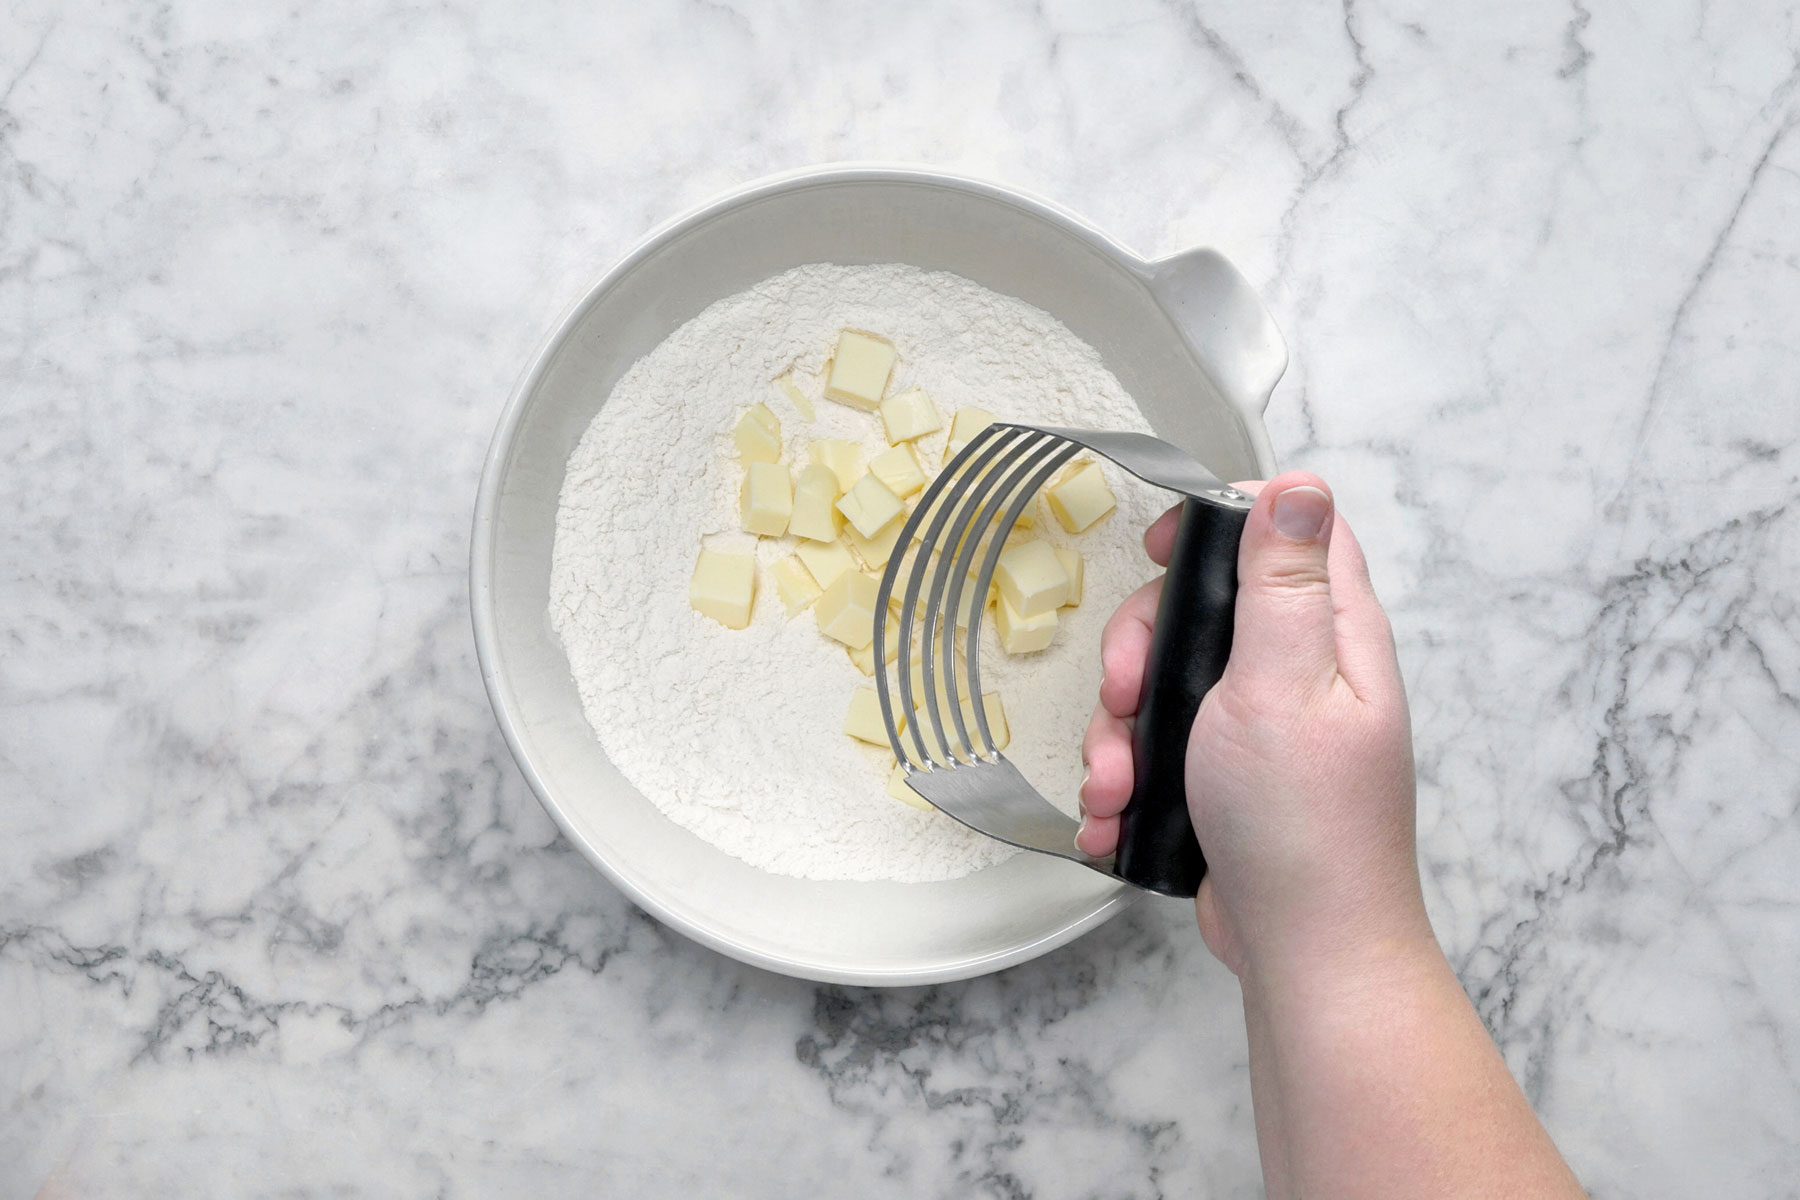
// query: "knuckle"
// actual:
[[1295, 574]]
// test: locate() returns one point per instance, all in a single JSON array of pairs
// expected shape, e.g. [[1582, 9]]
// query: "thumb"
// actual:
[[1284, 635]]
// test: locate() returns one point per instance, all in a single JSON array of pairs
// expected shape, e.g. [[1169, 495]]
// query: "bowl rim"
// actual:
[[485, 527]]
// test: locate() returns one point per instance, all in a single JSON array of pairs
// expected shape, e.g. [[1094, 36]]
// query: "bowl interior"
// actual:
[[845, 932]]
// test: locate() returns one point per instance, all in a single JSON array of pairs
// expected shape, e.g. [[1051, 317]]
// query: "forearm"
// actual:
[[1386, 1084], [1265, 1099]]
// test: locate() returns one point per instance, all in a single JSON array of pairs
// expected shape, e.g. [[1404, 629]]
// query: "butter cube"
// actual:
[[847, 610], [766, 500], [1031, 578], [795, 585], [796, 397], [904, 580], [819, 478], [1072, 567], [844, 459], [967, 423], [1080, 497], [1027, 518], [723, 587], [996, 719], [875, 551], [758, 435], [909, 415], [899, 469], [870, 505], [909, 558], [925, 521], [865, 657], [859, 370], [1022, 635], [863, 722], [918, 679], [898, 595], [934, 745], [815, 505], [826, 560], [896, 787], [971, 599]]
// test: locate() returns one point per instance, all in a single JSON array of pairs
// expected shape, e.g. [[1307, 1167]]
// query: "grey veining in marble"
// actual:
[[279, 917]]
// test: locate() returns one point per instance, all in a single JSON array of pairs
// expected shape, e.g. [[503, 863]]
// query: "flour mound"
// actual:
[[737, 735]]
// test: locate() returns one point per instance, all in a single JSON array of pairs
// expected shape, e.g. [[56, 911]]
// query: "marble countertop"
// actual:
[[279, 916]]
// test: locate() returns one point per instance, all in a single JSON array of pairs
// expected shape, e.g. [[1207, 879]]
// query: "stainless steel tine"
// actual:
[[963, 500], [1019, 480], [1023, 496], [982, 448]]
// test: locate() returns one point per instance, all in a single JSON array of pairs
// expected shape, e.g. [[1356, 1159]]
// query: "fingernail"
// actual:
[[1301, 512]]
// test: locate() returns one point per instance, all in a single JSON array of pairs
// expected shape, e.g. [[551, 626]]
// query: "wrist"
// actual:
[[1343, 961]]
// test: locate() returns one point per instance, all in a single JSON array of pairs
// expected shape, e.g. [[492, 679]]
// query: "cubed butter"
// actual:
[[1080, 497], [1076, 570], [817, 477], [1022, 529], [844, 459], [870, 505], [826, 560], [860, 369], [899, 469], [963, 427], [1031, 578], [896, 787], [875, 551], [972, 599], [799, 399], [766, 500], [934, 746], [724, 586], [863, 721], [996, 719], [1023, 635], [865, 657], [918, 678], [904, 580], [909, 558], [815, 505], [909, 415], [924, 525], [847, 610], [758, 435], [1026, 521], [795, 585]]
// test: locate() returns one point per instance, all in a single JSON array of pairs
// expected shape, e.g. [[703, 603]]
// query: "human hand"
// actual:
[[1299, 767]]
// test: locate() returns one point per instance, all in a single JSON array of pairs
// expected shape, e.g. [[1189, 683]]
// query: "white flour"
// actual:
[[737, 734]]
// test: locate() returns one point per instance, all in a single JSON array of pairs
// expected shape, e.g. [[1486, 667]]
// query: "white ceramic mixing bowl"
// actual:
[[1185, 336]]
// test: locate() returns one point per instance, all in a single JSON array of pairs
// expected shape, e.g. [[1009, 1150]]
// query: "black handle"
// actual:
[[1188, 649]]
